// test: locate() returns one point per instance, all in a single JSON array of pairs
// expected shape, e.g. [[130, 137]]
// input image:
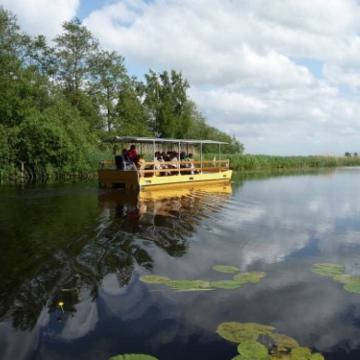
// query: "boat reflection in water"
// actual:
[[166, 217], [87, 238]]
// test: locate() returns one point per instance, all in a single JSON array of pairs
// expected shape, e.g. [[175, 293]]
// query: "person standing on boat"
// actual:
[[132, 154]]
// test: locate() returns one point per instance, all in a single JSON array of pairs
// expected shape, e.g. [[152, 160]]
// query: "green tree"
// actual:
[[167, 103], [108, 76], [130, 112], [75, 49]]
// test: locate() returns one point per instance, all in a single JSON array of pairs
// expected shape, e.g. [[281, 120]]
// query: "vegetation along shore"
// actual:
[[59, 100]]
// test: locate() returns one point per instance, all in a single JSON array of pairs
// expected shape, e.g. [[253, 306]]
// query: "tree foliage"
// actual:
[[57, 101]]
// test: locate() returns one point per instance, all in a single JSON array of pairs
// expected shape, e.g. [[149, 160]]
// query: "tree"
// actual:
[[167, 103], [75, 49], [131, 116], [347, 154], [108, 76]]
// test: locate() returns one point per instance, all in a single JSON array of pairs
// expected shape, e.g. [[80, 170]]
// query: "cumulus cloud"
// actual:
[[248, 61], [242, 59], [42, 16]]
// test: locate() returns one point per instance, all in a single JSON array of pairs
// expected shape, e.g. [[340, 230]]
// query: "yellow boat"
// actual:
[[155, 175]]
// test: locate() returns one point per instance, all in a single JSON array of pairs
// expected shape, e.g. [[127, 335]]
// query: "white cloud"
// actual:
[[248, 61], [42, 16]]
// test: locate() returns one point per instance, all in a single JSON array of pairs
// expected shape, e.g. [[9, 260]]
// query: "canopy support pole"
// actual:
[[179, 149], [153, 159], [201, 157], [219, 157]]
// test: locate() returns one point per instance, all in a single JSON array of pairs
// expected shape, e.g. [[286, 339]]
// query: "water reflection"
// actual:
[[87, 249], [66, 247]]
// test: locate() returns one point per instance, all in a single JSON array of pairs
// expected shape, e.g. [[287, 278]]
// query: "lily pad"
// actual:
[[326, 269], [189, 285], [228, 269], [253, 277], [225, 284], [353, 285], [283, 342], [154, 279], [133, 357], [253, 350], [343, 278], [303, 353], [238, 332]]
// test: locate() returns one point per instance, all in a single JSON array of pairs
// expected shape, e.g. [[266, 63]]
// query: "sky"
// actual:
[[283, 76]]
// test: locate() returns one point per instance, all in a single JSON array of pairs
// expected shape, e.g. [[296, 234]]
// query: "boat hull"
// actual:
[[130, 180]]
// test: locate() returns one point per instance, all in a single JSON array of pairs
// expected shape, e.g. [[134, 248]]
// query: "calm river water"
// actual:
[[85, 249]]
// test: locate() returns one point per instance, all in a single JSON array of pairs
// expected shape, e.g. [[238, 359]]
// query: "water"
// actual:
[[86, 248]]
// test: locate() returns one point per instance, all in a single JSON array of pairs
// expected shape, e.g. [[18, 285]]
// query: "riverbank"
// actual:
[[268, 162], [243, 163]]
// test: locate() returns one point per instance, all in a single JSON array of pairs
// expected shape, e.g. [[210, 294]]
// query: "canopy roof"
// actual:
[[135, 139]]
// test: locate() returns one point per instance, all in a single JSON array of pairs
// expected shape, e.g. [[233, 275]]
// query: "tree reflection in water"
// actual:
[[68, 242]]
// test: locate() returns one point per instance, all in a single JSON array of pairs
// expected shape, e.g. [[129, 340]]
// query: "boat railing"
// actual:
[[174, 167]]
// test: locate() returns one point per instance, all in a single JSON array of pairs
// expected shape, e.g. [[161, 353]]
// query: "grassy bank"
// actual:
[[243, 163], [268, 162]]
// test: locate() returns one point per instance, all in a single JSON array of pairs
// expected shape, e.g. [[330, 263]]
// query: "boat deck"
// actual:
[[169, 175]]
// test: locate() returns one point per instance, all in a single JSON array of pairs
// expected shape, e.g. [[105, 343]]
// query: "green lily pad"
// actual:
[[253, 350], [226, 269], [133, 357], [353, 285], [237, 332], [154, 279], [189, 285], [225, 284], [253, 277], [317, 356], [303, 353], [343, 278], [326, 269], [283, 342]]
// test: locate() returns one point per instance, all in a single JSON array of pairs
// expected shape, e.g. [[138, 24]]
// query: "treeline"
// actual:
[[59, 100]]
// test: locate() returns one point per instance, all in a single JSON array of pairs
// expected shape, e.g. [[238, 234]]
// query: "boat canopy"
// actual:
[[135, 139]]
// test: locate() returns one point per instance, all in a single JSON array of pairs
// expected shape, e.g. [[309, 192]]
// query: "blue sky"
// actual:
[[282, 76]]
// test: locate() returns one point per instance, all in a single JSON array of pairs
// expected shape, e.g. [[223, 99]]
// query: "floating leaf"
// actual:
[[326, 269], [189, 285], [154, 279], [225, 284], [353, 285], [238, 332], [253, 350], [133, 357], [226, 269], [303, 353], [253, 277], [343, 278], [283, 342], [317, 356]]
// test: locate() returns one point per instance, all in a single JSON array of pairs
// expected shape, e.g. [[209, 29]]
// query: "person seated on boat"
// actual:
[[157, 165], [156, 155], [122, 161], [140, 164], [132, 154], [163, 166], [190, 164], [182, 158], [174, 158]]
